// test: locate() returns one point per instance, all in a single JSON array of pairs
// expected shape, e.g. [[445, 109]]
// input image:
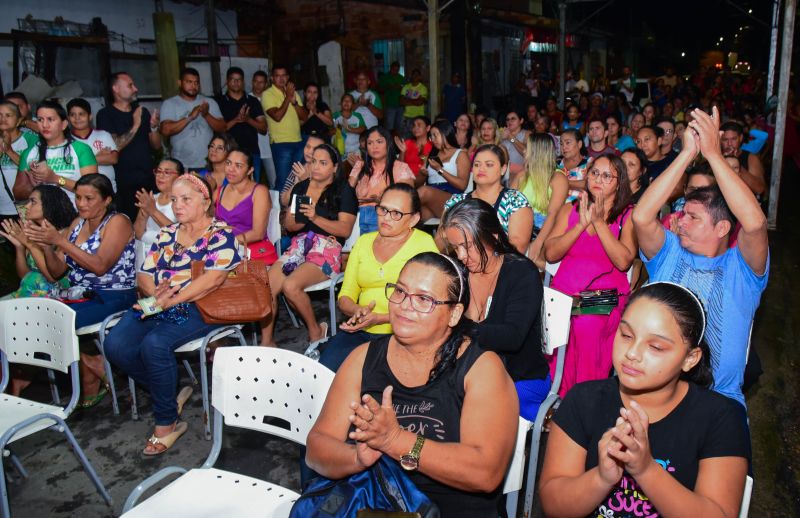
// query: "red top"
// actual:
[[412, 155]]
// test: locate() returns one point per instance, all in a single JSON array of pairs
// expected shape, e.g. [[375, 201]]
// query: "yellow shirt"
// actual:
[[288, 129], [365, 278]]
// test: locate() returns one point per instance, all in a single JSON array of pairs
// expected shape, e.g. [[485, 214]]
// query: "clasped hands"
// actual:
[[626, 446], [376, 427], [363, 317], [593, 213]]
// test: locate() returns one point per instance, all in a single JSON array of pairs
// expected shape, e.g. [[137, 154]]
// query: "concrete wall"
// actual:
[[132, 18]]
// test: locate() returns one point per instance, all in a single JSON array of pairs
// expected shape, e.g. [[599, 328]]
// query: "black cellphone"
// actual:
[[301, 199]]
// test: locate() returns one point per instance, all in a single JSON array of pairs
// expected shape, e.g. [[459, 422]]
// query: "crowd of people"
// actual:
[[458, 218]]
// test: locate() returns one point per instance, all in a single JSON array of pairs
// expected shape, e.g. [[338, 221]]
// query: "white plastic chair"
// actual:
[[557, 312], [269, 390], [200, 345], [330, 284], [274, 221], [516, 470], [38, 332], [744, 509]]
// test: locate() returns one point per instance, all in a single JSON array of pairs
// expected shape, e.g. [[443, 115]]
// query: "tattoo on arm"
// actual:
[[123, 140]]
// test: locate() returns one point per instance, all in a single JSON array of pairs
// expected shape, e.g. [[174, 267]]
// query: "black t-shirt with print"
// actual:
[[347, 203], [703, 425]]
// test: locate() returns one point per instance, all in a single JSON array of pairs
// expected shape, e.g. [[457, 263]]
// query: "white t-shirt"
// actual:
[[151, 231], [97, 140], [350, 139], [369, 119], [64, 163], [9, 171]]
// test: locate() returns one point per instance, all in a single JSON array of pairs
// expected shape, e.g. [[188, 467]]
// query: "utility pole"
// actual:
[[213, 50], [780, 121], [562, 52], [773, 47]]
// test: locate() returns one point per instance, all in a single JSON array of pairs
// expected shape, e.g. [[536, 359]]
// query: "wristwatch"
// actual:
[[512, 140], [62, 181], [410, 461]]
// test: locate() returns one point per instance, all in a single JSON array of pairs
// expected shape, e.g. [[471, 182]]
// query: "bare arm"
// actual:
[[107, 157], [561, 239], [560, 188], [620, 251], [462, 170], [259, 123], [261, 209], [169, 128], [277, 113], [520, 226], [753, 176]]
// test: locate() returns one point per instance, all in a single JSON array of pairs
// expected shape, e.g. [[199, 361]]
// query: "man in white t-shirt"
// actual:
[[189, 120], [626, 85], [258, 85], [101, 142], [368, 102]]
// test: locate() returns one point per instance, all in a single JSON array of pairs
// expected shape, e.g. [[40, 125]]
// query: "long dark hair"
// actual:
[[622, 198], [102, 184], [391, 155], [330, 197], [56, 205], [643, 180], [689, 313], [477, 221], [448, 132], [458, 292], [41, 146]]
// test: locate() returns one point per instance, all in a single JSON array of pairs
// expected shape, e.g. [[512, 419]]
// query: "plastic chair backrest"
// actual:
[[40, 332], [550, 270], [274, 223], [744, 509], [354, 235], [270, 390], [556, 318], [516, 469]]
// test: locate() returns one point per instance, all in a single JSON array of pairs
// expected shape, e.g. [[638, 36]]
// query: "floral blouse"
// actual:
[[169, 261]]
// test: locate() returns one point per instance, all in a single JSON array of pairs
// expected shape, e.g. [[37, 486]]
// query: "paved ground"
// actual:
[[57, 486]]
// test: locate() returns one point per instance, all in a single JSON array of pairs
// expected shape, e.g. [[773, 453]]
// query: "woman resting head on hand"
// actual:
[[655, 440], [427, 388]]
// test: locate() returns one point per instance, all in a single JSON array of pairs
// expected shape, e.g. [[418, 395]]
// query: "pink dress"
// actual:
[[591, 337]]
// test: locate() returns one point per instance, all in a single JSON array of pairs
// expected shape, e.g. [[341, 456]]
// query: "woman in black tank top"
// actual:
[[426, 393]]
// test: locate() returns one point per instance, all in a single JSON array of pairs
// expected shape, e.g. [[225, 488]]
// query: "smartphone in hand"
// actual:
[[300, 199]]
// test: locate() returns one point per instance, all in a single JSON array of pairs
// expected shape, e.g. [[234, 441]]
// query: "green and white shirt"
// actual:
[[66, 163], [9, 170]]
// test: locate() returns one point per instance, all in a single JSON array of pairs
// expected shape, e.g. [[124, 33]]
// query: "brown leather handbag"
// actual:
[[245, 295]]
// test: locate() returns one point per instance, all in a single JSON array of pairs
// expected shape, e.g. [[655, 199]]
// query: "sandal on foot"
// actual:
[[183, 397], [162, 444], [90, 401], [324, 327]]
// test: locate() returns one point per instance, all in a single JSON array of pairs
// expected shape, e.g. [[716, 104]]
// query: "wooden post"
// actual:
[[433, 56], [213, 50], [562, 52], [780, 122], [167, 53], [773, 48]]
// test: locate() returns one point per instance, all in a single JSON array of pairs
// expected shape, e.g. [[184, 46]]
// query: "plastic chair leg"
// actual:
[[189, 367], [53, 387], [134, 406], [17, 464]]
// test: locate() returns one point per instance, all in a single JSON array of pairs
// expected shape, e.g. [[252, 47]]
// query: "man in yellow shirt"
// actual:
[[285, 112]]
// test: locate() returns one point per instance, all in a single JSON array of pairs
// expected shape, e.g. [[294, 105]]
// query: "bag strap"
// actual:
[[8, 190]]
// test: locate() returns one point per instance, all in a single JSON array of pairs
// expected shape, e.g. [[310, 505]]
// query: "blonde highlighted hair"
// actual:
[[494, 124], [540, 164]]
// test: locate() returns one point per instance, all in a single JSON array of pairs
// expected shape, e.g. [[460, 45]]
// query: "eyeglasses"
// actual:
[[164, 172], [419, 303], [216, 148], [604, 176], [395, 215], [669, 131]]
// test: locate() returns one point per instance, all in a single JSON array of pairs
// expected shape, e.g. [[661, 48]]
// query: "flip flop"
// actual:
[[91, 401], [167, 441], [183, 397]]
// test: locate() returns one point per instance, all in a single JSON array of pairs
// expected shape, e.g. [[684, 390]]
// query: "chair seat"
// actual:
[[14, 410], [196, 344], [324, 285], [88, 330], [212, 493]]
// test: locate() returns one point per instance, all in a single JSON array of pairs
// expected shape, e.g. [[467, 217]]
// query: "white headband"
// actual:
[[458, 272], [696, 300]]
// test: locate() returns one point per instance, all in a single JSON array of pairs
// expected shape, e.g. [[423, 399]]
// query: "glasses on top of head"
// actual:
[[604, 176], [164, 172], [396, 215], [419, 303]]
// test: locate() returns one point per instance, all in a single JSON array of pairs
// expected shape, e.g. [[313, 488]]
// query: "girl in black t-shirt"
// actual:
[[654, 441]]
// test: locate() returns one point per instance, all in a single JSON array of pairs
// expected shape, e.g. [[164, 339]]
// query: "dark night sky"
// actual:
[[662, 29]]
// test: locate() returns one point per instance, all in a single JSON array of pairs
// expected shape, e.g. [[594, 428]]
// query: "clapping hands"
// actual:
[[626, 446]]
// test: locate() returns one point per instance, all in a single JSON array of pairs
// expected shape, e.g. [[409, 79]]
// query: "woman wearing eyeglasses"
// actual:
[[376, 259], [155, 210], [427, 395], [594, 240]]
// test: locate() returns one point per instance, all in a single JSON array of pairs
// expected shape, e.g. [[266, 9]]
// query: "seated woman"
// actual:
[[510, 206], [155, 210], [300, 171], [98, 251], [447, 172], [221, 144], [431, 362], [370, 178], [415, 150], [545, 187], [595, 243], [573, 162], [488, 133], [46, 202], [376, 259], [505, 298], [143, 347], [654, 441], [636, 164], [463, 126], [318, 230]]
